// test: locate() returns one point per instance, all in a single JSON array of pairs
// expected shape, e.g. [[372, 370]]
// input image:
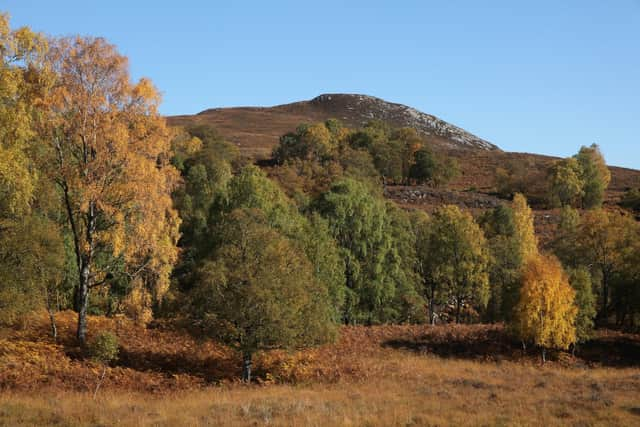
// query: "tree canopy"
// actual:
[[258, 292], [455, 260], [108, 154], [546, 313]]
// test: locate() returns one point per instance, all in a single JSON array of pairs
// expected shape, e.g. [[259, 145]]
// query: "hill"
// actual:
[[256, 131]]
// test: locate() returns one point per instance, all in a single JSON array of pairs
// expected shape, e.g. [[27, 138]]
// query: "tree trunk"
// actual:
[[51, 309], [104, 371], [432, 315], [432, 306], [604, 313], [458, 309], [86, 259], [54, 328], [544, 355], [82, 301], [622, 315], [246, 367]]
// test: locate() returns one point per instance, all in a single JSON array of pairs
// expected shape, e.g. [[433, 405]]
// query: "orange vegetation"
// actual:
[[382, 375]]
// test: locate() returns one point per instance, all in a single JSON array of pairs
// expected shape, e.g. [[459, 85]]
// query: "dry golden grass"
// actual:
[[416, 390], [386, 375]]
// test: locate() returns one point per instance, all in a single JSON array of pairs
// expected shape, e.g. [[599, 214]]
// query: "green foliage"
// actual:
[[595, 175], [357, 221], [206, 168], [625, 288], [603, 241], [214, 147], [32, 260], [580, 180], [524, 230], [408, 304], [454, 259], [504, 273], [206, 163], [511, 241], [363, 227], [258, 291], [312, 158], [566, 244], [251, 189], [566, 184], [437, 171], [328, 265], [317, 142], [498, 221], [391, 149], [580, 280], [424, 167], [104, 347], [374, 151], [631, 200]]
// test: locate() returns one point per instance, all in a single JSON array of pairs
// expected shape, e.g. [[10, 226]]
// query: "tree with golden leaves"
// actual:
[[512, 241], [524, 230], [109, 152], [546, 313], [20, 51]]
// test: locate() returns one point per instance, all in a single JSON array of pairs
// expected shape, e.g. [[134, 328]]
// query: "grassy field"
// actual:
[[387, 376]]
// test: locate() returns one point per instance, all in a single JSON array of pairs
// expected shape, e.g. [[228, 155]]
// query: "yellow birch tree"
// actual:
[[546, 313], [109, 152]]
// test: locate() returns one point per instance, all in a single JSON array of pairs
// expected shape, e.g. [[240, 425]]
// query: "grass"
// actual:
[[417, 390], [388, 376]]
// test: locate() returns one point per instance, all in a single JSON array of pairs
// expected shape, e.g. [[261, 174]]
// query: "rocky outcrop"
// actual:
[[432, 197], [364, 108]]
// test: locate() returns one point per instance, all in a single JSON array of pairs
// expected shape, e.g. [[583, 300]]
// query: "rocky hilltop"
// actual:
[[256, 130], [363, 108]]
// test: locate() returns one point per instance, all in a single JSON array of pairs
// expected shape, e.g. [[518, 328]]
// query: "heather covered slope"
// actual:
[[256, 131]]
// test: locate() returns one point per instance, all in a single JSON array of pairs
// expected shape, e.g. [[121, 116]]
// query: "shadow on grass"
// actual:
[[462, 342], [210, 369], [611, 349], [494, 343]]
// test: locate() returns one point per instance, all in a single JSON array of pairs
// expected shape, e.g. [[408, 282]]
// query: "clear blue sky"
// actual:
[[537, 76]]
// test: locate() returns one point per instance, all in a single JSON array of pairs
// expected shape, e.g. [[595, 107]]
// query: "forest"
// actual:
[[109, 213]]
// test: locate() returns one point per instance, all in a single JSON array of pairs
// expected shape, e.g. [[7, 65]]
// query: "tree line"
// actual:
[[106, 210]]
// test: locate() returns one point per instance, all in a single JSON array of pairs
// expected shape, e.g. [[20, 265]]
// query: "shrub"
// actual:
[[104, 347]]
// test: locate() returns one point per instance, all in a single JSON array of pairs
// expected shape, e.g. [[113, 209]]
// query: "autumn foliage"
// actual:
[[161, 260], [546, 313]]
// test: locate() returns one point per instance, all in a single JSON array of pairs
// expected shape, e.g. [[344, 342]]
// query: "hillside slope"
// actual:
[[256, 131]]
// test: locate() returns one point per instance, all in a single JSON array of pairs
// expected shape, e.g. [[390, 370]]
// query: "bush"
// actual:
[[104, 347], [631, 200]]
